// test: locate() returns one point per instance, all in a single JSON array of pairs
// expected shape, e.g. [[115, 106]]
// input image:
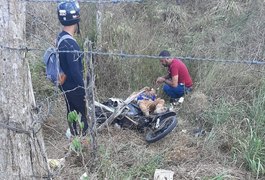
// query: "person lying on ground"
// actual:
[[149, 103]]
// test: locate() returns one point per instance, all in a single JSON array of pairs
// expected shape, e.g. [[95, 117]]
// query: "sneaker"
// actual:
[[181, 100], [173, 100], [176, 101]]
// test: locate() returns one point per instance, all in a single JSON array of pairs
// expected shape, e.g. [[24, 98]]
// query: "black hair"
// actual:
[[164, 53]]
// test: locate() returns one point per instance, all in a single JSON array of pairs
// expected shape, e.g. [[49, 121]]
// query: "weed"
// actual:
[[145, 170], [253, 150], [218, 177]]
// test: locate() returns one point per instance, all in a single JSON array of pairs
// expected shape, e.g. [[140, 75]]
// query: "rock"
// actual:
[[55, 164], [162, 174]]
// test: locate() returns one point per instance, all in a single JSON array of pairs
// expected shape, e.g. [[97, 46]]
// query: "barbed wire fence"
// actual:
[[125, 56]]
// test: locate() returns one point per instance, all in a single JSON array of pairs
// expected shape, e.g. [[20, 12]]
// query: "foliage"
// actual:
[[73, 116], [253, 147], [76, 145], [42, 87], [218, 177], [144, 168], [224, 112], [225, 29], [253, 150]]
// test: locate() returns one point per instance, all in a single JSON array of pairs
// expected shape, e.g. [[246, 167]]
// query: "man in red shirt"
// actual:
[[178, 81]]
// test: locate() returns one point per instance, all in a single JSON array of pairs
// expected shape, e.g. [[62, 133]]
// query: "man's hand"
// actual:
[[160, 80]]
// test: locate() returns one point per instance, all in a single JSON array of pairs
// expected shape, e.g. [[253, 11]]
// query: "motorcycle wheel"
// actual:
[[168, 125]]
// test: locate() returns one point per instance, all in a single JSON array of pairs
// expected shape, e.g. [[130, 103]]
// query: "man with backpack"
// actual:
[[178, 80], [70, 59]]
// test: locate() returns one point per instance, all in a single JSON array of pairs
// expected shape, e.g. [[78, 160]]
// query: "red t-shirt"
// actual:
[[177, 67]]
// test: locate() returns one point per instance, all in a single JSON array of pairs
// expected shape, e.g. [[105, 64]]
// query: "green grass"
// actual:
[[253, 150], [41, 85], [223, 112], [142, 168], [221, 176], [253, 147]]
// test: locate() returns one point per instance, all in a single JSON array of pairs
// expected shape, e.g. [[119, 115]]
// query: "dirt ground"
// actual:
[[184, 153]]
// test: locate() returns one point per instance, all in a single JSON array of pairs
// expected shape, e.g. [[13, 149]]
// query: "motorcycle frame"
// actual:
[[112, 111]]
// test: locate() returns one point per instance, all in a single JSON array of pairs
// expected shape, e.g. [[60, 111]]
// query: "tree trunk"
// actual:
[[22, 154]]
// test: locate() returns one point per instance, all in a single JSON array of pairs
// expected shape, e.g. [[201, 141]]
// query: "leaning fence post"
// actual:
[[90, 98]]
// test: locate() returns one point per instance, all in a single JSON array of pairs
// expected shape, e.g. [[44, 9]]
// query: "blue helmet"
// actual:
[[68, 12]]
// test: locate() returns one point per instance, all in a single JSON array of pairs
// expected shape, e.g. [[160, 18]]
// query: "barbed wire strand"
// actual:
[[141, 56]]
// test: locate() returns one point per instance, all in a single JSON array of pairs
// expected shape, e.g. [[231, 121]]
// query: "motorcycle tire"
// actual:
[[170, 124]]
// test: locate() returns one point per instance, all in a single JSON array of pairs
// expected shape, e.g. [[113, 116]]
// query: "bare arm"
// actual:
[[172, 82], [162, 79], [166, 76]]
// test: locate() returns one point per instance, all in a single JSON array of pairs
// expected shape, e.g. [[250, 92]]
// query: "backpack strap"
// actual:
[[64, 37]]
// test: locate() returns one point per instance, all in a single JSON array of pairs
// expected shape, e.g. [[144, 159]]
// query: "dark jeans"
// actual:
[[176, 92], [76, 102]]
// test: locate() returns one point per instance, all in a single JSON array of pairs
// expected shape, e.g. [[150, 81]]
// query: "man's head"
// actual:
[[164, 58], [69, 13]]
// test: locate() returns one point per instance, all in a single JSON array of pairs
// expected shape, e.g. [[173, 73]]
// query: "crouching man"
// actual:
[[178, 80]]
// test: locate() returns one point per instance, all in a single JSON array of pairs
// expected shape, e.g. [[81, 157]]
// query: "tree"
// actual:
[[22, 154]]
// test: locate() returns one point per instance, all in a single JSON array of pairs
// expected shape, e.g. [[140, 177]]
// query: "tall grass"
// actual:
[[253, 150], [253, 146]]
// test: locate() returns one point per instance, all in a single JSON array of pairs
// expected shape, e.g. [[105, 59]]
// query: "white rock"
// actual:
[[162, 174]]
